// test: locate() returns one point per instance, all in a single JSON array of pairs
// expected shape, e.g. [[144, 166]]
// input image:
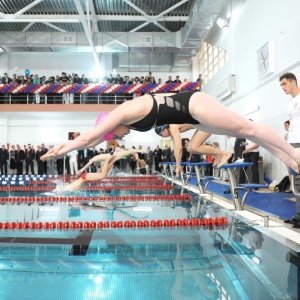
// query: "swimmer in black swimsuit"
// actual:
[[196, 145], [195, 108]]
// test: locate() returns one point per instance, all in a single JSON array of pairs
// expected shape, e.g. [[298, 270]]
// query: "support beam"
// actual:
[[9, 18], [55, 27], [162, 27], [139, 27], [170, 9], [95, 27], [136, 8], [28, 26], [87, 32], [21, 11]]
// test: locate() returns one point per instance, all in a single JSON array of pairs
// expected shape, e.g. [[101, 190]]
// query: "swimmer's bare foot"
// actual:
[[294, 166], [297, 157], [217, 160], [224, 159]]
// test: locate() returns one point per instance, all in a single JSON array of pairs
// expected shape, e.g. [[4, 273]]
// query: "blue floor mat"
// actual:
[[274, 203]]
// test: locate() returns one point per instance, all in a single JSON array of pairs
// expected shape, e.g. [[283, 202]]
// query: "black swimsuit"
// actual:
[[174, 110]]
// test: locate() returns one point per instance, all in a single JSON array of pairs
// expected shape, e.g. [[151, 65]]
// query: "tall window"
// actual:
[[210, 60]]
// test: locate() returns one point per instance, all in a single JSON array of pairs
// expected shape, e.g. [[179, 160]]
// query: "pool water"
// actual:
[[238, 261]]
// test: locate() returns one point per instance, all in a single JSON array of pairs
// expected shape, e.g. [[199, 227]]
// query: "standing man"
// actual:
[[3, 160], [149, 159], [20, 157], [157, 153], [251, 154], [29, 158], [44, 150], [288, 82]]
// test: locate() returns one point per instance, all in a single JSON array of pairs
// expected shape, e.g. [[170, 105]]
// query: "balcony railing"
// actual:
[[85, 93]]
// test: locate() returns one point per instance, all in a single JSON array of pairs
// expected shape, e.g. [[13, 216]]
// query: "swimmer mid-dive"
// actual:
[[196, 145], [109, 160], [195, 108]]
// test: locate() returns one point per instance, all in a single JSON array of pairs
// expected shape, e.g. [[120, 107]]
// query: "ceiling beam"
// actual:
[[139, 27], [87, 32], [95, 27], [137, 8], [55, 27], [171, 8], [29, 6], [28, 26], [8, 18]]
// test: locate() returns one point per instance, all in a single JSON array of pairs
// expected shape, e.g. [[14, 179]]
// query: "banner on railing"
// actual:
[[138, 89]]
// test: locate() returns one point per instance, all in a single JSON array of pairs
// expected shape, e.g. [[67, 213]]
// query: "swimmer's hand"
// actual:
[[55, 151], [80, 172], [47, 156]]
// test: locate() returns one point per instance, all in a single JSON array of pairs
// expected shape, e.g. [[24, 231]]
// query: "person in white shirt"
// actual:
[[230, 147], [73, 161], [288, 82]]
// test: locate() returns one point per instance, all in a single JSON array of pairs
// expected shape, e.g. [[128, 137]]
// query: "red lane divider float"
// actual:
[[210, 222], [26, 200], [90, 187], [51, 181]]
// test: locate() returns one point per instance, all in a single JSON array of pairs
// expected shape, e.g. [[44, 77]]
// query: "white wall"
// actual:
[[252, 24]]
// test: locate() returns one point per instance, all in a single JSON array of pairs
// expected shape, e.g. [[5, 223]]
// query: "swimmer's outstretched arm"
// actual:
[[175, 135], [95, 159], [51, 153], [118, 153], [125, 114]]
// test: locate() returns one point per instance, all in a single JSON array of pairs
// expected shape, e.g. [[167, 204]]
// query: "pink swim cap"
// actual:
[[110, 135]]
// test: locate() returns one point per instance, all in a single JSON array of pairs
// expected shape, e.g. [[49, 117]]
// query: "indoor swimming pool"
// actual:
[[135, 237]]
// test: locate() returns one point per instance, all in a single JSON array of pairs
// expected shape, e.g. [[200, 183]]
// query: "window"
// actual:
[[210, 60]]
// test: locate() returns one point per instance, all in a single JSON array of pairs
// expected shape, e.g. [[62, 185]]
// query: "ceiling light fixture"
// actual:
[[223, 22]]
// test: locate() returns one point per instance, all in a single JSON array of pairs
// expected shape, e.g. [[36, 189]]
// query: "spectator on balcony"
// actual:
[[119, 79], [84, 80], [159, 81], [152, 80], [65, 80], [110, 79], [22, 80], [142, 80], [14, 96], [200, 81], [127, 80], [14, 79], [169, 79], [36, 80], [5, 79], [177, 80]]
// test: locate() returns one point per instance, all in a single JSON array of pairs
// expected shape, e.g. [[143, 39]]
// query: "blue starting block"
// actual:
[[234, 187], [199, 171]]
